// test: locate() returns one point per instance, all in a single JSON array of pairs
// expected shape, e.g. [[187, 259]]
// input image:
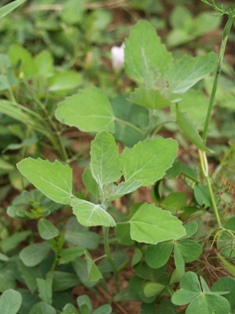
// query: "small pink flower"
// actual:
[[117, 57]]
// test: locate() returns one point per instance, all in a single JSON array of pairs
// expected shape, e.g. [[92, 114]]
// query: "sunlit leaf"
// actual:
[[151, 224], [52, 179], [89, 110]]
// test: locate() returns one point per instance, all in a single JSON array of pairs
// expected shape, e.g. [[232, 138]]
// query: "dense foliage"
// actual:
[[117, 161]]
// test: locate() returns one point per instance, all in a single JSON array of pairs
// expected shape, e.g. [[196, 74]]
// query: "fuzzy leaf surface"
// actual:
[[52, 179], [187, 71], [10, 301], [105, 161], [145, 56], [89, 214], [89, 111], [149, 98], [148, 161], [152, 225]]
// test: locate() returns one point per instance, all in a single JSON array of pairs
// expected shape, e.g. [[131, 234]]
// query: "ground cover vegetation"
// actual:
[[117, 157]]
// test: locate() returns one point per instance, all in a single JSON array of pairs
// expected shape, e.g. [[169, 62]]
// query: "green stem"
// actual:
[[213, 202], [130, 125], [216, 79], [109, 257], [204, 166]]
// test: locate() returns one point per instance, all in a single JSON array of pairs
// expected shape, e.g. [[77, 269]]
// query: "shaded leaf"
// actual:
[[149, 98], [190, 131]]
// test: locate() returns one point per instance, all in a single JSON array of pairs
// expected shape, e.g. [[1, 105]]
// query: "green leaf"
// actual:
[[13, 241], [187, 71], [153, 288], [105, 161], [136, 115], [80, 266], [42, 308], [189, 249], [19, 54], [63, 281], [44, 64], [72, 12], [191, 228], [66, 81], [149, 98], [197, 114], [84, 304], [123, 188], [81, 236], [89, 110], [103, 309], [145, 56], [151, 224], [69, 309], [10, 302], [148, 160], [226, 284], [190, 131], [52, 179], [7, 279], [6, 9], [34, 254], [94, 273], [158, 255], [70, 254], [90, 182], [166, 307], [89, 214], [174, 201], [46, 229], [45, 288], [29, 275], [179, 261], [202, 300], [207, 304]]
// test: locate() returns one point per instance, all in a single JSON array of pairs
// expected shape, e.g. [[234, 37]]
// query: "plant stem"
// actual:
[[130, 125], [216, 79], [109, 257], [204, 166], [214, 206]]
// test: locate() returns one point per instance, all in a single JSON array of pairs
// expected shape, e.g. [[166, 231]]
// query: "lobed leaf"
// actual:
[[145, 56], [89, 110], [148, 161], [152, 225], [187, 71]]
